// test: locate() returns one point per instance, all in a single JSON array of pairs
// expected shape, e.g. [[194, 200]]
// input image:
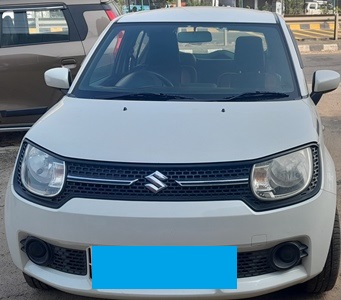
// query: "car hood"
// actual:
[[174, 132]]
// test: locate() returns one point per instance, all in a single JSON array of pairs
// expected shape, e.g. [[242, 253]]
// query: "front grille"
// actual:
[[65, 260], [254, 263], [75, 262], [173, 192], [69, 261]]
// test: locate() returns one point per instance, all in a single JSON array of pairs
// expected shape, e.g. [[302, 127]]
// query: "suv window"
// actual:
[[33, 26]]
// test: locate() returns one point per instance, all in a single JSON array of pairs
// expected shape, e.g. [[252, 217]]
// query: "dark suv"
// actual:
[[35, 36]]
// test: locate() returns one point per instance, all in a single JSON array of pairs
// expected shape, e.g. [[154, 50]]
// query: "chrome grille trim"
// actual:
[[223, 182], [101, 181]]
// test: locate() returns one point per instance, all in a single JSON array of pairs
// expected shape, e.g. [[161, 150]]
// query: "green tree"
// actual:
[[266, 6], [294, 7]]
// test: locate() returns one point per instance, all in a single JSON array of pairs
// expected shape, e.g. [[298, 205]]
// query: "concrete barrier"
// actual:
[[304, 22]]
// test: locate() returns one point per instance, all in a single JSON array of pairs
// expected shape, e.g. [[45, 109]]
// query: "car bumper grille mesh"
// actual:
[[75, 262]]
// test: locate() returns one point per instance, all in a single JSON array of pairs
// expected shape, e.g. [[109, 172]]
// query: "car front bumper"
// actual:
[[82, 223]]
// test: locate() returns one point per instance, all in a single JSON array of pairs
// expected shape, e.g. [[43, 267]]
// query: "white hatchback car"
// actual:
[[189, 126]]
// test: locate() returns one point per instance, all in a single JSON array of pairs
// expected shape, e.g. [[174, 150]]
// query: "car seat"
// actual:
[[7, 37]]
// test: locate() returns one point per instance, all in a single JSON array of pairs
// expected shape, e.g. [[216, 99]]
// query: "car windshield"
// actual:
[[193, 61]]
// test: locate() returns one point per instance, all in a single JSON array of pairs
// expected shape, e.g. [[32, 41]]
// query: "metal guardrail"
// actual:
[[39, 25], [303, 20]]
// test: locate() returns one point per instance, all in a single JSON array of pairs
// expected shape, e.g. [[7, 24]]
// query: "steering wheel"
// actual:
[[144, 78]]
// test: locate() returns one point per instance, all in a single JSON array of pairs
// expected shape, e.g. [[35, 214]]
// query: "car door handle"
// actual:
[[69, 63]]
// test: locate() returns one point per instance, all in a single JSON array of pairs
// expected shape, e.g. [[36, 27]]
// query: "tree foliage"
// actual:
[[294, 7]]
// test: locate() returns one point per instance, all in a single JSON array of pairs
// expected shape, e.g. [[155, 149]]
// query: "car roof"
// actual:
[[48, 3], [201, 14]]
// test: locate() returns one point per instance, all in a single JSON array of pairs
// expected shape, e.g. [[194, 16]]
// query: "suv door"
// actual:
[[33, 40]]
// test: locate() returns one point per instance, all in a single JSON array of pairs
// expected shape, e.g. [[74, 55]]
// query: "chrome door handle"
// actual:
[[69, 63]]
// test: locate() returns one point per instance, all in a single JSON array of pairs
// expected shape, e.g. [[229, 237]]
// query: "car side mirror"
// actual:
[[324, 81], [59, 78]]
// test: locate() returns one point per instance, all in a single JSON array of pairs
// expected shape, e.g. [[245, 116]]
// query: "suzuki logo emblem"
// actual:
[[156, 185]]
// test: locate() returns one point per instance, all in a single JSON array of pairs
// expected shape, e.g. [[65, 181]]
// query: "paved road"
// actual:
[[318, 61], [12, 285]]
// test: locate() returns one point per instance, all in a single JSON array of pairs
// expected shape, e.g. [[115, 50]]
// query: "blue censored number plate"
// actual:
[[164, 267]]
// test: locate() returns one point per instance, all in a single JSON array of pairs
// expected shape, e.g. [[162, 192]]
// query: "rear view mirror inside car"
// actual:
[[195, 37]]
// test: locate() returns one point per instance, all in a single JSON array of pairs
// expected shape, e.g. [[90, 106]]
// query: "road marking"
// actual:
[[313, 34]]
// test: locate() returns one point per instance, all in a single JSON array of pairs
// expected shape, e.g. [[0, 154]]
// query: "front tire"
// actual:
[[35, 283], [326, 280]]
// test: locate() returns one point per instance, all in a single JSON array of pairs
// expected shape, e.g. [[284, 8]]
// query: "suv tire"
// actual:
[[326, 280]]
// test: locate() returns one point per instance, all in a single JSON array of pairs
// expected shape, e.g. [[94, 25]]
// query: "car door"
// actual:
[[33, 40]]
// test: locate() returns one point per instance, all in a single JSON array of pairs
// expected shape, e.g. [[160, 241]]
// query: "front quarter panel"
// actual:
[[329, 174]]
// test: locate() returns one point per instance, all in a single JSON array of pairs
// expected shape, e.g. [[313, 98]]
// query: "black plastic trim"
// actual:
[[27, 6], [66, 260], [23, 112]]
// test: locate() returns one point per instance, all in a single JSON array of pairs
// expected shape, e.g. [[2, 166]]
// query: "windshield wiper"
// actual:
[[258, 96], [147, 96]]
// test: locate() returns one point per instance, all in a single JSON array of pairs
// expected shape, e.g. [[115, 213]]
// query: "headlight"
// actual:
[[41, 173], [282, 177]]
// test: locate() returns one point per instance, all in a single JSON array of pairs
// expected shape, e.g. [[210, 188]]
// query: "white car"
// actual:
[[184, 127]]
